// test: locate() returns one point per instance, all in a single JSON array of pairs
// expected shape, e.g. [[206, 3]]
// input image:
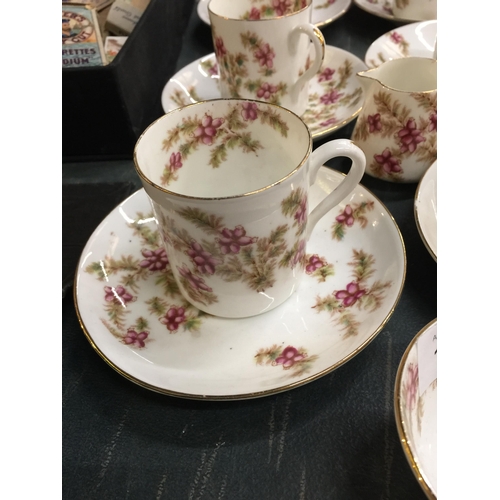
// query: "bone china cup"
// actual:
[[263, 50], [228, 181]]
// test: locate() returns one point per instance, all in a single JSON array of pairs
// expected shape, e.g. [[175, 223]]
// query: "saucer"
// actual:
[[415, 407], [410, 40], [425, 208], [335, 94], [381, 8], [323, 12], [134, 317]]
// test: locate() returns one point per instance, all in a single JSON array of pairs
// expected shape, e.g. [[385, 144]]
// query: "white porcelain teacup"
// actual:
[[415, 10], [263, 50], [228, 180]]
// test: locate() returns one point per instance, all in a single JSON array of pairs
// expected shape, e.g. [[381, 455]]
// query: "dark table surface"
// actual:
[[334, 438]]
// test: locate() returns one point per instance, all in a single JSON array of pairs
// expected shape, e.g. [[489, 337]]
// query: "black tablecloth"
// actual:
[[334, 438]]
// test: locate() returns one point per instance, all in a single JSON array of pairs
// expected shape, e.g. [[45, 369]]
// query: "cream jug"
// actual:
[[397, 127]]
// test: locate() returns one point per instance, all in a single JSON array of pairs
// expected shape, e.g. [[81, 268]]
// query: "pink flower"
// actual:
[[249, 111], [396, 37], [175, 161], [220, 49], [301, 213], [174, 318], [254, 14], [300, 254], [233, 240], [194, 281], [389, 163], [346, 216], [154, 260], [330, 121], [411, 386], [134, 338], [213, 70], [351, 294], [118, 294], [314, 263], [289, 357], [331, 97], [204, 261], [410, 136], [207, 129], [266, 90], [264, 55], [374, 123], [433, 125], [282, 6], [326, 74]]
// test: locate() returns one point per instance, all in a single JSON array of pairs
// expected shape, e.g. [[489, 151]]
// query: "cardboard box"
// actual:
[[106, 108], [124, 15]]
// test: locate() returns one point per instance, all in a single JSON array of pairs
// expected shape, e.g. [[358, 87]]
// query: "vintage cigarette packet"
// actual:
[[124, 15], [81, 38]]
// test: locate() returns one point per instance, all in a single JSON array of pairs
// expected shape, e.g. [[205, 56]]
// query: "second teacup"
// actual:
[[263, 50]]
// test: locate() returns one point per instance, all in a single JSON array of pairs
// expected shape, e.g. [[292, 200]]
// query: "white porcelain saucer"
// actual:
[[324, 11], [410, 40], [425, 209], [381, 8], [415, 407], [134, 317], [335, 93]]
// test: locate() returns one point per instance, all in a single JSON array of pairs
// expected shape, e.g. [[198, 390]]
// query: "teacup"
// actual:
[[415, 10], [228, 180], [263, 50], [397, 127]]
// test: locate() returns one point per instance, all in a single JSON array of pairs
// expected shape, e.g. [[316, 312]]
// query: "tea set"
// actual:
[[245, 267]]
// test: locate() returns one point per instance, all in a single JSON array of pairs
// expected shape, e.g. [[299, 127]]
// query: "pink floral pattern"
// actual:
[[274, 8], [154, 260], [352, 293], [231, 254], [352, 213], [334, 95], [358, 294], [292, 359], [389, 163], [231, 240], [403, 135], [135, 339], [215, 132], [117, 295], [174, 318], [234, 67], [170, 308], [318, 267]]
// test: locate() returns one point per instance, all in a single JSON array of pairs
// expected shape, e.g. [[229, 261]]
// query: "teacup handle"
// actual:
[[318, 41], [328, 151]]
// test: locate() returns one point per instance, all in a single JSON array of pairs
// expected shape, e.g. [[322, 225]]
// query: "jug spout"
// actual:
[[367, 77], [406, 74]]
